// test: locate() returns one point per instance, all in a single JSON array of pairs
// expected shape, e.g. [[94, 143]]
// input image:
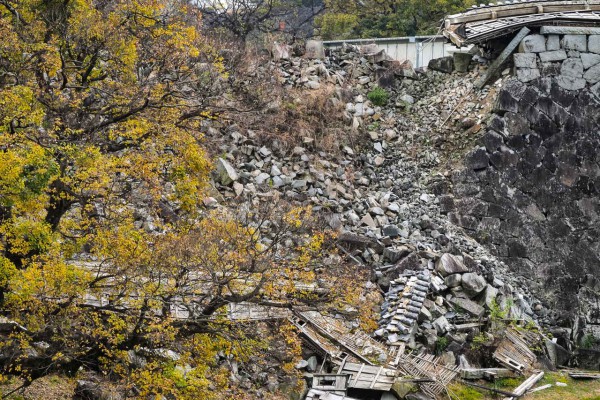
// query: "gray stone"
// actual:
[[594, 44], [572, 67], [408, 99], [262, 178], [441, 325], [574, 42], [469, 306], [462, 61], [525, 60], [302, 364], [592, 75], [453, 280], [473, 283], [595, 90], [570, 83], [589, 59], [312, 364], [391, 231], [313, 85], [533, 44], [443, 64], [226, 174], [449, 264], [299, 184], [528, 74], [556, 55], [490, 296], [553, 42]]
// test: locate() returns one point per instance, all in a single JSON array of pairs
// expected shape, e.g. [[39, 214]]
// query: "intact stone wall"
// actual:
[[573, 59], [530, 191]]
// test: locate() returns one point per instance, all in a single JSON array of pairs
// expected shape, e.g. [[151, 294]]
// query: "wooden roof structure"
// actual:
[[486, 22]]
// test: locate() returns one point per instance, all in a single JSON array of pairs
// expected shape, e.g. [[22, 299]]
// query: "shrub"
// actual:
[[378, 96]]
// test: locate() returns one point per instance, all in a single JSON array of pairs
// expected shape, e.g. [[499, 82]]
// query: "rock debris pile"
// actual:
[[387, 194]]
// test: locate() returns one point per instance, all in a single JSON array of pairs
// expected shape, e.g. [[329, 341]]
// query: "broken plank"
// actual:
[[583, 375], [495, 66], [528, 384]]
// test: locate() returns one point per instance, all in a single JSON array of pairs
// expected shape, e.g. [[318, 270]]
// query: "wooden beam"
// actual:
[[495, 66], [525, 386], [569, 30]]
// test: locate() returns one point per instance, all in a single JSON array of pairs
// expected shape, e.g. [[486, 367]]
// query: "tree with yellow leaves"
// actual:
[[100, 108]]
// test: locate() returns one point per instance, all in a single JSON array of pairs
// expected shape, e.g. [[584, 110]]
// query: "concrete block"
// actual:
[[533, 44], [525, 60], [556, 55], [574, 42]]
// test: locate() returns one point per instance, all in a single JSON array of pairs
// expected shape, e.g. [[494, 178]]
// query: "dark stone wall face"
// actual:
[[530, 193]]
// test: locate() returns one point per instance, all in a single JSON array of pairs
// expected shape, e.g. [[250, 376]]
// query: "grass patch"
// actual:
[[575, 389], [458, 391]]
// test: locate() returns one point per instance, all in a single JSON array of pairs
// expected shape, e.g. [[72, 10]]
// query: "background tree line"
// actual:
[[330, 19]]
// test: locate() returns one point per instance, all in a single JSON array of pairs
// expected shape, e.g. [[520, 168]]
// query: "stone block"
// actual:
[[468, 305], [550, 68], [592, 75], [225, 173], [525, 60], [574, 42], [570, 83], [556, 55], [553, 43], [441, 325], [453, 280], [572, 67], [473, 283], [528, 74], [594, 44], [589, 59], [449, 264], [462, 61], [443, 64], [533, 44]]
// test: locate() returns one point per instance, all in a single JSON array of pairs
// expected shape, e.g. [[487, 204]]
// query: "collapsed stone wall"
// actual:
[[530, 191]]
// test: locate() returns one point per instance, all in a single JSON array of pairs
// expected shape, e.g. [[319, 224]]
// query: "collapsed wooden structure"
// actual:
[[486, 22], [352, 355]]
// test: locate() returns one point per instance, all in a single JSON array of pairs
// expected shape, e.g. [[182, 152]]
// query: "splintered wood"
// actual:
[[514, 353], [357, 344], [373, 377], [428, 366]]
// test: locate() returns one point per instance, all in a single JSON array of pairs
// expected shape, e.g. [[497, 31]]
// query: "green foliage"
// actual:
[[378, 96], [440, 344], [497, 312], [479, 341], [588, 341], [385, 18]]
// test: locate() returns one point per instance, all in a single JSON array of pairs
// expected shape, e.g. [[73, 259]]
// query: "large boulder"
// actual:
[[449, 264], [225, 173], [473, 284], [443, 64]]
